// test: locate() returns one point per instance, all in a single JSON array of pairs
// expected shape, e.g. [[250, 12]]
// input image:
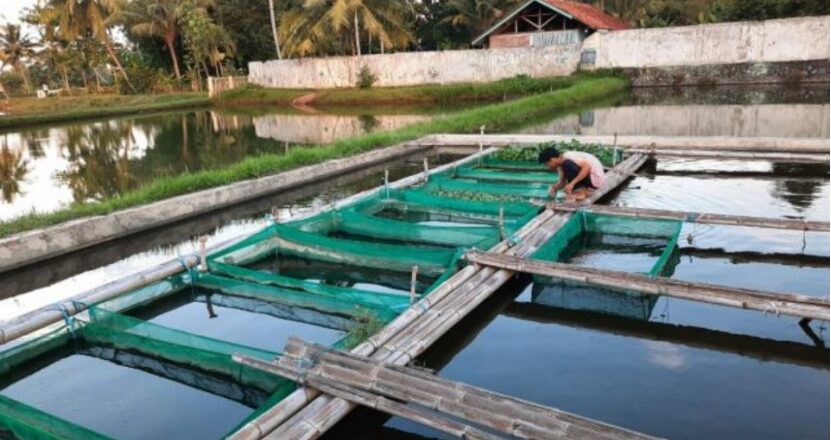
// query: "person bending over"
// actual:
[[580, 173]]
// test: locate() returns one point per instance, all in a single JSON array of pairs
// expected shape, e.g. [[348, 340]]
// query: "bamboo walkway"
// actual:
[[691, 217], [306, 413], [800, 306], [451, 407]]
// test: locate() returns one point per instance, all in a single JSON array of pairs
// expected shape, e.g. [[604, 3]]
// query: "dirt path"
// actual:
[[302, 103]]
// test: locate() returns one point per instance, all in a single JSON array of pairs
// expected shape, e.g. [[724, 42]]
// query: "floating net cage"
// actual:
[[639, 245], [341, 269]]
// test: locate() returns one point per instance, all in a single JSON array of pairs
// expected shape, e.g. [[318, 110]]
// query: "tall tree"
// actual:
[[330, 26], [14, 49], [77, 18], [157, 19], [476, 15]]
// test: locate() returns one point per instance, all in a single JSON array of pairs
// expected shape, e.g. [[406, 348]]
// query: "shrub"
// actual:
[[366, 78]]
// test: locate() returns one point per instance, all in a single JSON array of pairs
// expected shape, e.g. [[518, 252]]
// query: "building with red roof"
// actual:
[[547, 22]]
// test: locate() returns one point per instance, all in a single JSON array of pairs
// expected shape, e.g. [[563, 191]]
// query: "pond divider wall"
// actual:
[[34, 246]]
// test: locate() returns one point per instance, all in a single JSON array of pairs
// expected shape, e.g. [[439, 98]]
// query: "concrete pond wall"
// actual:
[[753, 46]]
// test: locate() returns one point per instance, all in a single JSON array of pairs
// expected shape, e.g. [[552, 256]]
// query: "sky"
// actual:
[[10, 9]]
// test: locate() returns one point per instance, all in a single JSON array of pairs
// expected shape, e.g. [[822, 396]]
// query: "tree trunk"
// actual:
[[97, 80], [65, 79], [369, 45], [86, 81], [357, 35], [274, 29], [111, 52], [172, 50], [22, 71]]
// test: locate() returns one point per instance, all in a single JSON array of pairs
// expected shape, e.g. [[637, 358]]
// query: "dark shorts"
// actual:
[[571, 170]]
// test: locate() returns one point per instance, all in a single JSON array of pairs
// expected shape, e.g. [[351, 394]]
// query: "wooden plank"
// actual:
[[801, 306], [700, 218]]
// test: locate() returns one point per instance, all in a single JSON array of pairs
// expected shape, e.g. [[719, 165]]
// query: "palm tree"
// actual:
[[14, 48], [79, 18], [321, 26], [476, 15], [158, 19]]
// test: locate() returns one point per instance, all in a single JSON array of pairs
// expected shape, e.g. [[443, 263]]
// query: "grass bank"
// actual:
[[412, 95], [497, 117], [32, 111]]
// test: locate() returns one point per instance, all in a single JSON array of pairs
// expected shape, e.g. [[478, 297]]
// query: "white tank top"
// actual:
[[597, 174]]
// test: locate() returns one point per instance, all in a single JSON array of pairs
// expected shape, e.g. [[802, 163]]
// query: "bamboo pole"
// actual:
[[501, 412], [360, 397], [801, 306], [505, 414], [736, 155], [413, 281], [704, 218], [714, 143]]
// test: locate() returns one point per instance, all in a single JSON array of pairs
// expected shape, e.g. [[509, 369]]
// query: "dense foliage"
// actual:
[[175, 44], [529, 153]]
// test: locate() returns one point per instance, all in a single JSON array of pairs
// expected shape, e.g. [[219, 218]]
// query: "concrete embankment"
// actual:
[[34, 246]]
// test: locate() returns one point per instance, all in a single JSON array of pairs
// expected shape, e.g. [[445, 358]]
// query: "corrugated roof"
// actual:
[[590, 16]]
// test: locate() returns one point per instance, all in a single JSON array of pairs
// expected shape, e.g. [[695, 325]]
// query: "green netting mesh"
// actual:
[[477, 190], [511, 165], [560, 246], [25, 422], [293, 241], [497, 175], [207, 354], [327, 299], [371, 227]]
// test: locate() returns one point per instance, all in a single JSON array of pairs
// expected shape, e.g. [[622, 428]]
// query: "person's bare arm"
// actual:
[[585, 170], [561, 182]]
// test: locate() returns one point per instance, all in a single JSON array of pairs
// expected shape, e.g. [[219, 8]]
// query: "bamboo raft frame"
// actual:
[[371, 383], [306, 414], [800, 306]]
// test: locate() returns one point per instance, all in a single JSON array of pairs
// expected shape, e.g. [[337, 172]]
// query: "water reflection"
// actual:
[[42, 170], [13, 170], [778, 111]]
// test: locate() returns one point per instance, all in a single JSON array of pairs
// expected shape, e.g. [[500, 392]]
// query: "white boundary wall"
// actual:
[[413, 68], [789, 39]]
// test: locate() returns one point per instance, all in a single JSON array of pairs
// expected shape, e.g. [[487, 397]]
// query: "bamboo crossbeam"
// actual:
[[700, 218], [735, 155], [501, 413], [713, 143], [359, 396], [801, 306], [753, 347]]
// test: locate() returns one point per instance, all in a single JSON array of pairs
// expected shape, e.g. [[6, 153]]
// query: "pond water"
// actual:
[[45, 169], [119, 400], [666, 367], [676, 368], [245, 321]]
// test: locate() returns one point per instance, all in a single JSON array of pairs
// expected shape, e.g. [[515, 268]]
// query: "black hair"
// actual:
[[548, 154]]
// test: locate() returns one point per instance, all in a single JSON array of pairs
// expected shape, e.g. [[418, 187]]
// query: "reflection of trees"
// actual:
[[368, 123], [103, 162], [100, 165], [803, 190], [13, 169]]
